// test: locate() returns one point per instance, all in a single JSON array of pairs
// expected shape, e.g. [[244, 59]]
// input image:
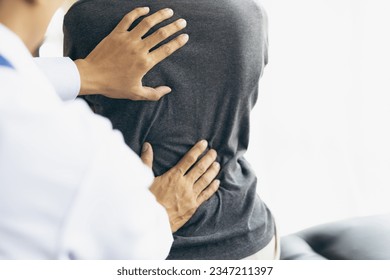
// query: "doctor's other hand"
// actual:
[[115, 68], [183, 189]]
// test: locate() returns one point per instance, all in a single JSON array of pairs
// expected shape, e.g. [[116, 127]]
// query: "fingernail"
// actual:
[[169, 11], [218, 182], [182, 22], [146, 8], [145, 147], [185, 37], [217, 165], [204, 143]]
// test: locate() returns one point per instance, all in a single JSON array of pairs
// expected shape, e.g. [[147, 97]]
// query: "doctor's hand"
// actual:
[[115, 68], [182, 190]]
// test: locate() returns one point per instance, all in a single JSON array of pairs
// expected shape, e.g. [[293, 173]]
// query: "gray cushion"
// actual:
[[365, 238]]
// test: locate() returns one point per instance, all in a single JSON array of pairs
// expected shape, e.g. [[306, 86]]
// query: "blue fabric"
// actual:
[[5, 63]]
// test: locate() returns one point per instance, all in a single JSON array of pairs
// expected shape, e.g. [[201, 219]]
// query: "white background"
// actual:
[[320, 141], [320, 133]]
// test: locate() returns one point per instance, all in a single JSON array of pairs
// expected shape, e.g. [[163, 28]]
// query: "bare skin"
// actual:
[[187, 185], [127, 51]]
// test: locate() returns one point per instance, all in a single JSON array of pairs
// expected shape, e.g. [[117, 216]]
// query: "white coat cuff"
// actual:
[[63, 74]]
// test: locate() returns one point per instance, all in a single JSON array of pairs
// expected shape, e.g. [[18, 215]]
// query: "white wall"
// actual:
[[320, 139]]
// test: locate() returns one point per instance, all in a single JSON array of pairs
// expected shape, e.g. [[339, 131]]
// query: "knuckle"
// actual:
[[203, 182], [149, 97], [148, 23], [202, 168], [202, 197], [134, 93], [178, 171], [129, 16], [163, 33], [191, 158], [146, 62], [172, 180], [154, 96], [167, 49], [209, 192]]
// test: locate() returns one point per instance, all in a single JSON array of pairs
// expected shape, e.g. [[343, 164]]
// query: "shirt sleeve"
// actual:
[[63, 74]]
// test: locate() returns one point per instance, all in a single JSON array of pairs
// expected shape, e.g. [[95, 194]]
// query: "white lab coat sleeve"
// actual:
[[63, 74], [114, 215]]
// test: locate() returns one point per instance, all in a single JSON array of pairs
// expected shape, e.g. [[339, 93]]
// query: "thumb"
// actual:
[[155, 94], [147, 155]]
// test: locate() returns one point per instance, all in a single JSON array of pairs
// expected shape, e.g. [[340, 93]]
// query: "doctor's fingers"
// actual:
[[128, 20], [207, 178], [164, 33], [166, 50], [147, 155], [202, 166], [149, 22], [208, 192], [190, 158], [151, 94]]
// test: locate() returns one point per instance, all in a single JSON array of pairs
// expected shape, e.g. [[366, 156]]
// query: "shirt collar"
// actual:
[[13, 49]]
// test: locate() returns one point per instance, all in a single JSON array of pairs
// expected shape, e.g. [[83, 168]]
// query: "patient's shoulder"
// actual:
[[96, 7], [214, 23], [101, 14]]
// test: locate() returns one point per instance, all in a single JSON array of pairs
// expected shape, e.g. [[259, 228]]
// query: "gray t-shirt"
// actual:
[[215, 85]]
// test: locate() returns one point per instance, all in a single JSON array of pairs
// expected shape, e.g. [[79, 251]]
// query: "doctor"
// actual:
[[69, 186]]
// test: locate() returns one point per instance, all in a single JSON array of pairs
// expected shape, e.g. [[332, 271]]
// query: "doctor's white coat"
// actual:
[[69, 186]]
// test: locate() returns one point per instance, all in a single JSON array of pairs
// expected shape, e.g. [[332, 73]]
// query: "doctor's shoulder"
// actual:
[[28, 93], [11, 83]]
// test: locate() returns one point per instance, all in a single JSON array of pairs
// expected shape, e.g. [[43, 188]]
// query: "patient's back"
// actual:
[[215, 85]]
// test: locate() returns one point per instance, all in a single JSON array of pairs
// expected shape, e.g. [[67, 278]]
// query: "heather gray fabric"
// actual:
[[215, 85]]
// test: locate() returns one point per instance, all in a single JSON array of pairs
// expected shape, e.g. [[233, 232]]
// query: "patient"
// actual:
[[215, 85]]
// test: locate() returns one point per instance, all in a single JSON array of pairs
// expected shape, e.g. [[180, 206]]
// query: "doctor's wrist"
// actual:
[[89, 81]]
